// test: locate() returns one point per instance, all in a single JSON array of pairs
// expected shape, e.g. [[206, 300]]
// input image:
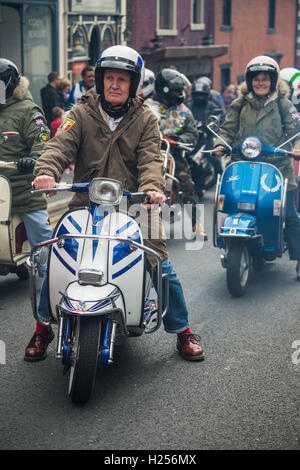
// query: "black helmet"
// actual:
[[122, 58], [202, 85], [10, 76], [169, 85]]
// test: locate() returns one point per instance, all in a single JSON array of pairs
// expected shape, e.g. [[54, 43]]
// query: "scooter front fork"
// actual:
[[108, 339]]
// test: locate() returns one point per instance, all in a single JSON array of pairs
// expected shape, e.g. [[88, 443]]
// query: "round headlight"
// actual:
[[104, 191], [251, 147]]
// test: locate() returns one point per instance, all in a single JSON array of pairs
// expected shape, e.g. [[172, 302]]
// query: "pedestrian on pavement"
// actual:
[[64, 91], [264, 111], [113, 119], [80, 89], [20, 114], [57, 119], [177, 123], [50, 96]]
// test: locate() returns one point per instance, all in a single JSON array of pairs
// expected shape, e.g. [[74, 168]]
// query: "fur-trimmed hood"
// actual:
[[282, 89], [21, 89]]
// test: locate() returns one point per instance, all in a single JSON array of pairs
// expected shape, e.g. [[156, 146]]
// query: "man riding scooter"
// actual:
[[177, 123], [19, 114]]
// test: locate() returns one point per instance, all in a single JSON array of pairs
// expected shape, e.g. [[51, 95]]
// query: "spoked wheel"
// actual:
[[238, 268], [84, 360]]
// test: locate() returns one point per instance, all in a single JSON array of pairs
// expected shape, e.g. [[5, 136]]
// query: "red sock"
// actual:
[[41, 329], [188, 331]]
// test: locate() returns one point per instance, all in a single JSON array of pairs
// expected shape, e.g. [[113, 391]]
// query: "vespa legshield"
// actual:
[[251, 194], [115, 263]]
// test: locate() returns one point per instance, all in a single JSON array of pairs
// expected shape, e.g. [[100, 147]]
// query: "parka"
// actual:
[[130, 154], [20, 114], [273, 122]]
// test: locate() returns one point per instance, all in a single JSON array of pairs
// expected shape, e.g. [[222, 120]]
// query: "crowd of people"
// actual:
[[117, 94]]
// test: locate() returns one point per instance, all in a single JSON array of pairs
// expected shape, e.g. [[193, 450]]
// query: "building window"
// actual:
[[272, 9], [107, 39], [225, 75], [37, 53], [79, 43], [197, 15], [166, 17], [226, 13]]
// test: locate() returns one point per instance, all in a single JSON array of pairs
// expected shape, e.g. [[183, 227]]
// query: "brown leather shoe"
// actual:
[[37, 347], [189, 347]]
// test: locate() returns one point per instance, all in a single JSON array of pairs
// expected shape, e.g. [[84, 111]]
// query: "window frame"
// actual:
[[197, 26], [166, 32]]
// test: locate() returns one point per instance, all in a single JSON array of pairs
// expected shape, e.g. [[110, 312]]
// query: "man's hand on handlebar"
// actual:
[[44, 182], [219, 151], [154, 197]]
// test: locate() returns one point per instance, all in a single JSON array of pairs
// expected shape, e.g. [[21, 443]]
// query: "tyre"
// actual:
[[210, 175], [84, 359], [238, 268], [22, 272]]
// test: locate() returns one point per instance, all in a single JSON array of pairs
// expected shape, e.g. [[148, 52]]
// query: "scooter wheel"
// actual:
[[22, 272], [238, 268]]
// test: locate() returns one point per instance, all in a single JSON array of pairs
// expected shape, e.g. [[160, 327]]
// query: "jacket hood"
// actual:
[[21, 89], [283, 89]]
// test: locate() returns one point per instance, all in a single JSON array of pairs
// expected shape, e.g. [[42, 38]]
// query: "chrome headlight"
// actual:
[[105, 191], [251, 147]]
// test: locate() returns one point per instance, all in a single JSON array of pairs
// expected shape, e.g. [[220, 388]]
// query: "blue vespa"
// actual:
[[249, 212]]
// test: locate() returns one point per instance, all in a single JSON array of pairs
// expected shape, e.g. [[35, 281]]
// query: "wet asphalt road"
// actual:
[[245, 395]]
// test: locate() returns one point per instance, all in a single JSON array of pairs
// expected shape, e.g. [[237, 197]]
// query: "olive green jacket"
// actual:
[[20, 114], [130, 154], [273, 122]]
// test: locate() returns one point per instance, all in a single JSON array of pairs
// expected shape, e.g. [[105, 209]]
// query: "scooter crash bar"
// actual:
[[31, 264]]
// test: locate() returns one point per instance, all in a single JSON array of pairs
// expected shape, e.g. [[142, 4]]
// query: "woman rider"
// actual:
[[264, 111]]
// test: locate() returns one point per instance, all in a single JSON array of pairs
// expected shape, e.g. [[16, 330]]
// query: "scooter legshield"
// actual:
[[254, 188], [122, 267]]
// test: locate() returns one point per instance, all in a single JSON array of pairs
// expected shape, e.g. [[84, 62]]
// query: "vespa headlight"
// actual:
[[105, 191], [251, 147]]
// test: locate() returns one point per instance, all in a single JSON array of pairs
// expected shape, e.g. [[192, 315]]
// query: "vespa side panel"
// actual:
[[65, 261], [5, 201], [126, 266], [240, 183], [269, 204]]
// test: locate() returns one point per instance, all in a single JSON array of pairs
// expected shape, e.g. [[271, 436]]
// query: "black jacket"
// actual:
[[50, 98]]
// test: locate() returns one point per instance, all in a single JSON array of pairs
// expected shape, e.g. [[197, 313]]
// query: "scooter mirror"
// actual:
[[213, 121], [43, 255], [10, 138]]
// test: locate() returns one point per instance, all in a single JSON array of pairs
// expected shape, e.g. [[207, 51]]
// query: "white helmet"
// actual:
[[292, 76], [148, 85], [122, 58]]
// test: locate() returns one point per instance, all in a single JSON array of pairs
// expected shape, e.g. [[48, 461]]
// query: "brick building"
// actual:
[[174, 32], [251, 28]]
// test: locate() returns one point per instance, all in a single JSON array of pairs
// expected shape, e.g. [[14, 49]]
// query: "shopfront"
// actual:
[[29, 37], [93, 25]]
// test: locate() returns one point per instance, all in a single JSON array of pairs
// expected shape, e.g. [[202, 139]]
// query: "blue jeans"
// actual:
[[38, 230], [292, 227], [176, 318]]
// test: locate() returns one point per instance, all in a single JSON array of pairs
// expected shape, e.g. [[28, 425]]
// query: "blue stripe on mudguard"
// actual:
[[124, 227], [71, 245], [73, 222], [129, 266], [122, 249], [64, 262]]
